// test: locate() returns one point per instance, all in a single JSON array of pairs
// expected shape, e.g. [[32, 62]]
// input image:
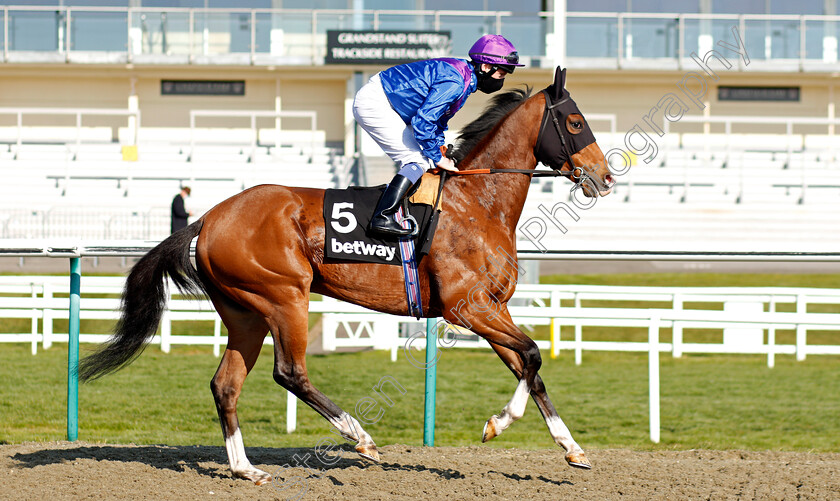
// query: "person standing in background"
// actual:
[[180, 215]]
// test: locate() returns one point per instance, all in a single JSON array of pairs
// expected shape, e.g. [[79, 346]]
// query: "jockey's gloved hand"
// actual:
[[447, 163]]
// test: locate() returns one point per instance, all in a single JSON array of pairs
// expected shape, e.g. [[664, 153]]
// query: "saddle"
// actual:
[[347, 213], [428, 190]]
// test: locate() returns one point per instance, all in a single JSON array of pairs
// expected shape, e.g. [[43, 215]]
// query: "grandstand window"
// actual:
[[35, 2], [190, 4], [94, 3], [768, 7], [675, 6], [315, 4], [521, 6], [71, 3], [739, 7], [391, 5], [213, 4], [799, 7], [596, 5], [239, 4]]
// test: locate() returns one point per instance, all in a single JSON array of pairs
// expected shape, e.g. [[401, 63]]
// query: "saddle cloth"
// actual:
[[347, 214]]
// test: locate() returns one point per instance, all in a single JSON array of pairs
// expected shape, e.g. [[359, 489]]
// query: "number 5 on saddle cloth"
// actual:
[[347, 213]]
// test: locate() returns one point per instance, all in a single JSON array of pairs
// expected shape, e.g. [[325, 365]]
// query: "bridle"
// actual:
[[577, 175]]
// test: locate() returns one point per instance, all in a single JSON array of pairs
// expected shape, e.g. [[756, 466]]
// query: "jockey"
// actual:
[[406, 108]]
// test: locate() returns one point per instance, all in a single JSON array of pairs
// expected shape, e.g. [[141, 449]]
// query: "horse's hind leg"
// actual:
[[558, 430], [289, 328], [246, 331]]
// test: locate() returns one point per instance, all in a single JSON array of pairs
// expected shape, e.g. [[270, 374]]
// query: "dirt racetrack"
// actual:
[[62, 470]]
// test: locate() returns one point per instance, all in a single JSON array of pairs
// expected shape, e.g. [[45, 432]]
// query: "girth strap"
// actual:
[[410, 275]]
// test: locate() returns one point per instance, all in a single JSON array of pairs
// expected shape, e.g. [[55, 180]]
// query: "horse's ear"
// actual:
[[559, 82]]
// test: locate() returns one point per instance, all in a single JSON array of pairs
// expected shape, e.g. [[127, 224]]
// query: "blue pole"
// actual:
[[431, 383], [73, 352]]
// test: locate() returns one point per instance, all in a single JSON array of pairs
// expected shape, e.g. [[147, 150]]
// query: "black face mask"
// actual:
[[487, 84]]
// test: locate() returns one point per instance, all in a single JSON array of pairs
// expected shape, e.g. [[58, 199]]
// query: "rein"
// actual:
[[576, 174], [530, 172]]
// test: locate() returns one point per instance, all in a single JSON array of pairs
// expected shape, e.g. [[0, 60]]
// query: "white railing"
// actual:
[[132, 115], [731, 157], [751, 308], [254, 133], [728, 147], [94, 222], [743, 320]]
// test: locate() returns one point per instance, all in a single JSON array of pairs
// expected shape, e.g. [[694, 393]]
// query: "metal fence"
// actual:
[[298, 36], [95, 223]]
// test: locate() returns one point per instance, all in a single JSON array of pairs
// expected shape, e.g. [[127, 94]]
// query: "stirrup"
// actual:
[[389, 227], [415, 228]]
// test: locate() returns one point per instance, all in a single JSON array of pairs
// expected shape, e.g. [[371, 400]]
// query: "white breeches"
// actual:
[[375, 115]]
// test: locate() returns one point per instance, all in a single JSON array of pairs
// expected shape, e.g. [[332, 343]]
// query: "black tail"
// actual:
[[144, 300]]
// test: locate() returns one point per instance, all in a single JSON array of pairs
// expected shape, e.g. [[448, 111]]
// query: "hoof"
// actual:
[[578, 460], [368, 452], [259, 477], [490, 430]]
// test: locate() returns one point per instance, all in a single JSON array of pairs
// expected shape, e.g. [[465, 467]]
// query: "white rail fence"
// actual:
[[746, 314], [749, 319]]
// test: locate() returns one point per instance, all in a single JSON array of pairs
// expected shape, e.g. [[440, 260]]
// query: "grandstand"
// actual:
[[106, 110]]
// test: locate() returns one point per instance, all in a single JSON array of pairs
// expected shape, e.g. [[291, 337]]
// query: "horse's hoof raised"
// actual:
[[491, 430], [578, 460], [368, 452]]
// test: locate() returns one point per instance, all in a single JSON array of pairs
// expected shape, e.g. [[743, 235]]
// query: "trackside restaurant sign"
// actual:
[[386, 47]]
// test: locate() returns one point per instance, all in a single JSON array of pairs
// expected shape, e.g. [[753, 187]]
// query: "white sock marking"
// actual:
[[515, 409], [561, 434], [350, 428], [236, 453]]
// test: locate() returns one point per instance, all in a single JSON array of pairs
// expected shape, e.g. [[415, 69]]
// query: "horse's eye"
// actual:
[[574, 123]]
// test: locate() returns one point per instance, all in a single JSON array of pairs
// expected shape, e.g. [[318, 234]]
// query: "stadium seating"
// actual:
[[91, 189], [754, 196], [701, 190]]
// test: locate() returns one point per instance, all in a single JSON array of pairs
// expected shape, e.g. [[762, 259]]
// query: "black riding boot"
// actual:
[[382, 223]]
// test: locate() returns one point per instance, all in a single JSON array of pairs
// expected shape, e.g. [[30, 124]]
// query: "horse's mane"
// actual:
[[498, 107]]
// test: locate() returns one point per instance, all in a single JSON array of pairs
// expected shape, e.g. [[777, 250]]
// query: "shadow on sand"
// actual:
[[211, 461]]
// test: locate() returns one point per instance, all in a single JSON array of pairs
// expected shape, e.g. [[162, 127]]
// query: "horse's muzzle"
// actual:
[[609, 182]]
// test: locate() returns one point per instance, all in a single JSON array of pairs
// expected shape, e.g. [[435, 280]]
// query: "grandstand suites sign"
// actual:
[[386, 47]]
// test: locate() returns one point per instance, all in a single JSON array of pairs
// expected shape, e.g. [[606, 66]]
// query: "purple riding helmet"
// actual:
[[499, 53]]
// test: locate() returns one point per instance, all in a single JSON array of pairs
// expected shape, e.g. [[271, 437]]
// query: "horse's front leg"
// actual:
[[513, 411], [500, 330], [556, 427]]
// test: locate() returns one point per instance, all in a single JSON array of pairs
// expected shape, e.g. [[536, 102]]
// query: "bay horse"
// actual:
[[260, 253]]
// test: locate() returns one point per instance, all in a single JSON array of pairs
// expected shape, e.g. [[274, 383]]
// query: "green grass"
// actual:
[[718, 402]]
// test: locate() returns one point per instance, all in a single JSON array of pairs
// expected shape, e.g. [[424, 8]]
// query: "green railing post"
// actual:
[[73, 352], [431, 383]]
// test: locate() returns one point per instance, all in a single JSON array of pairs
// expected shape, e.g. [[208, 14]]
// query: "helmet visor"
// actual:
[[511, 59]]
